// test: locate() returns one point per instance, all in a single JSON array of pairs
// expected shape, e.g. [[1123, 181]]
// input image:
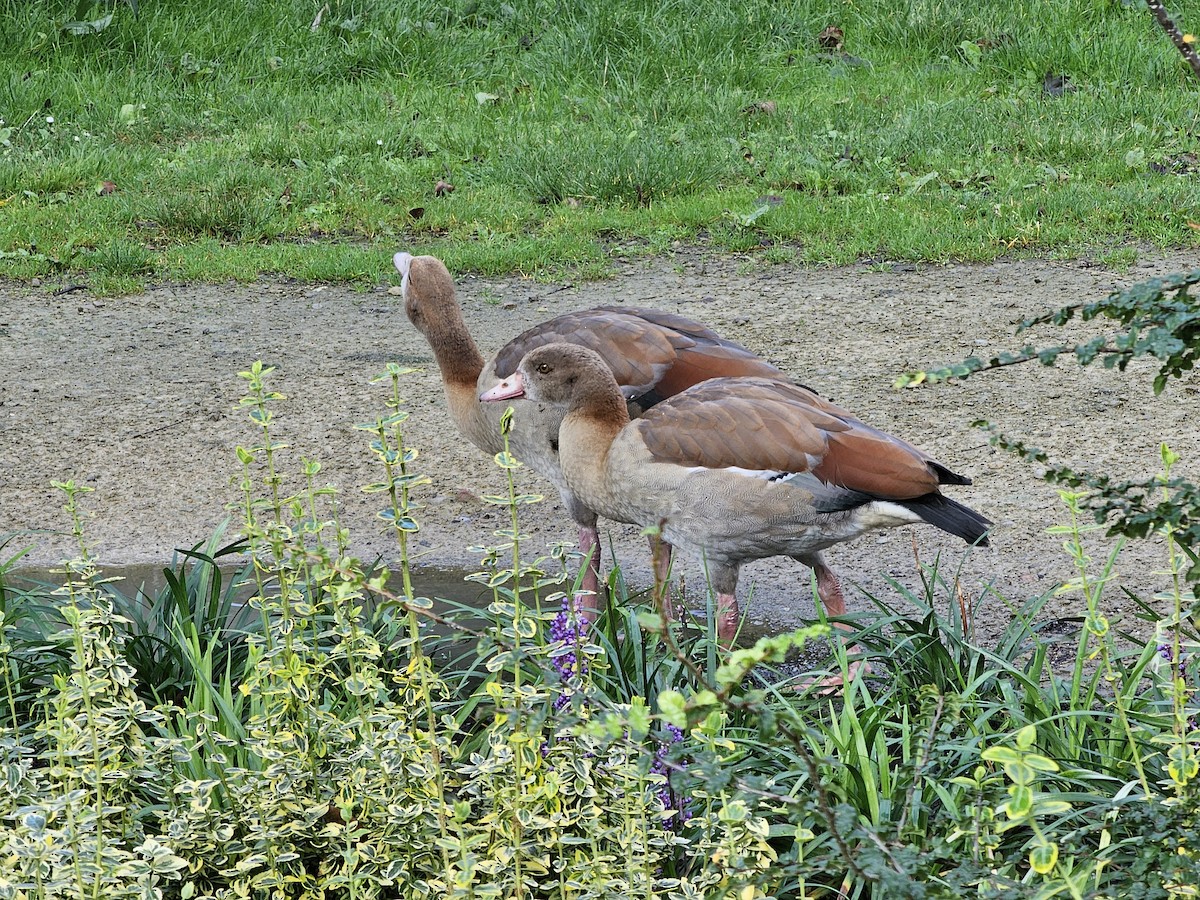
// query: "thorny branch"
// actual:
[[1178, 38]]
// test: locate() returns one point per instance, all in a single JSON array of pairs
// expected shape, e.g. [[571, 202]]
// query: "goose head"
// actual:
[[558, 375], [428, 290]]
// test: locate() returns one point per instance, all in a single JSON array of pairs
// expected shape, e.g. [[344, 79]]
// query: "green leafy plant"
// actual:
[[82, 25], [329, 748], [1160, 319]]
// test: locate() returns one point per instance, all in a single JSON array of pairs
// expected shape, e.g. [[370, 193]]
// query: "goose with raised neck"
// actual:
[[650, 354]]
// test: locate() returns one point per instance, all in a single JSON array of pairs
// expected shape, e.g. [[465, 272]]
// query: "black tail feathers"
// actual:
[[945, 476], [951, 516]]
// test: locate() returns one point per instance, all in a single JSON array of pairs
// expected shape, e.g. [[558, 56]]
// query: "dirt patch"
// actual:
[[136, 397]]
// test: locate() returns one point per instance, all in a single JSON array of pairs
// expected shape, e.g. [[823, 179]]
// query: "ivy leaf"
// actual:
[[672, 708]]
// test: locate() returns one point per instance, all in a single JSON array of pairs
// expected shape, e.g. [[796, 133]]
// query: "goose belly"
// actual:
[[716, 513]]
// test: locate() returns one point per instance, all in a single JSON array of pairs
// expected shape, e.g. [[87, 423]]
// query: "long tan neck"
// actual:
[[470, 416], [460, 363], [455, 351]]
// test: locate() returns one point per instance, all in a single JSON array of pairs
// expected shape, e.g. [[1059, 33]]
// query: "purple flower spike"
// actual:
[[659, 767], [1167, 652], [566, 628]]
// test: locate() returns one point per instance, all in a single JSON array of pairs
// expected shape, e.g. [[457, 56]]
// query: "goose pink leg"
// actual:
[[590, 598], [829, 590], [728, 618], [724, 583], [660, 555]]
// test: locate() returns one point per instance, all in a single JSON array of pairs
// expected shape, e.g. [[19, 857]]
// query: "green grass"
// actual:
[[242, 140]]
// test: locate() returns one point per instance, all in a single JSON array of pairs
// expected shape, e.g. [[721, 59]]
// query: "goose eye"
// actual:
[[543, 368]]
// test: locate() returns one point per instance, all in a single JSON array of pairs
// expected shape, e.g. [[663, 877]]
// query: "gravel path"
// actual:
[[136, 397]]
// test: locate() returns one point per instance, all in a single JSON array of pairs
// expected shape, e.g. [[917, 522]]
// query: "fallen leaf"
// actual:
[[483, 98], [831, 38], [1056, 84], [765, 107], [417, 212], [442, 188], [1194, 225], [1135, 158], [93, 27], [129, 112], [748, 220], [105, 188], [316, 23]]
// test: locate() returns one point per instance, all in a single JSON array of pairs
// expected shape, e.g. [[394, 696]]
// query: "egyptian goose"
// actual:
[[651, 355], [736, 469]]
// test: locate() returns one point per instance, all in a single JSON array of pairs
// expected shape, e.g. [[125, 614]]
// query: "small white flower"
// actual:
[[77, 139], [49, 120], [379, 143]]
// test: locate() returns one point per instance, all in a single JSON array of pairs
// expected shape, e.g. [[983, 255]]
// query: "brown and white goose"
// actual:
[[649, 354], [736, 469]]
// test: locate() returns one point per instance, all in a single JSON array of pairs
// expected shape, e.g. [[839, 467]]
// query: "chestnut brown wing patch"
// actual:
[[696, 364], [638, 354], [776, 426]]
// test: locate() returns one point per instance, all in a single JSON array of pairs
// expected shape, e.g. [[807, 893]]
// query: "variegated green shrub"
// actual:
[[336, 755]]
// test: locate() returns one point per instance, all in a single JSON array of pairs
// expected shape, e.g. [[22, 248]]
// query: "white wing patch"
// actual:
[[760, 474], [884, 514]]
